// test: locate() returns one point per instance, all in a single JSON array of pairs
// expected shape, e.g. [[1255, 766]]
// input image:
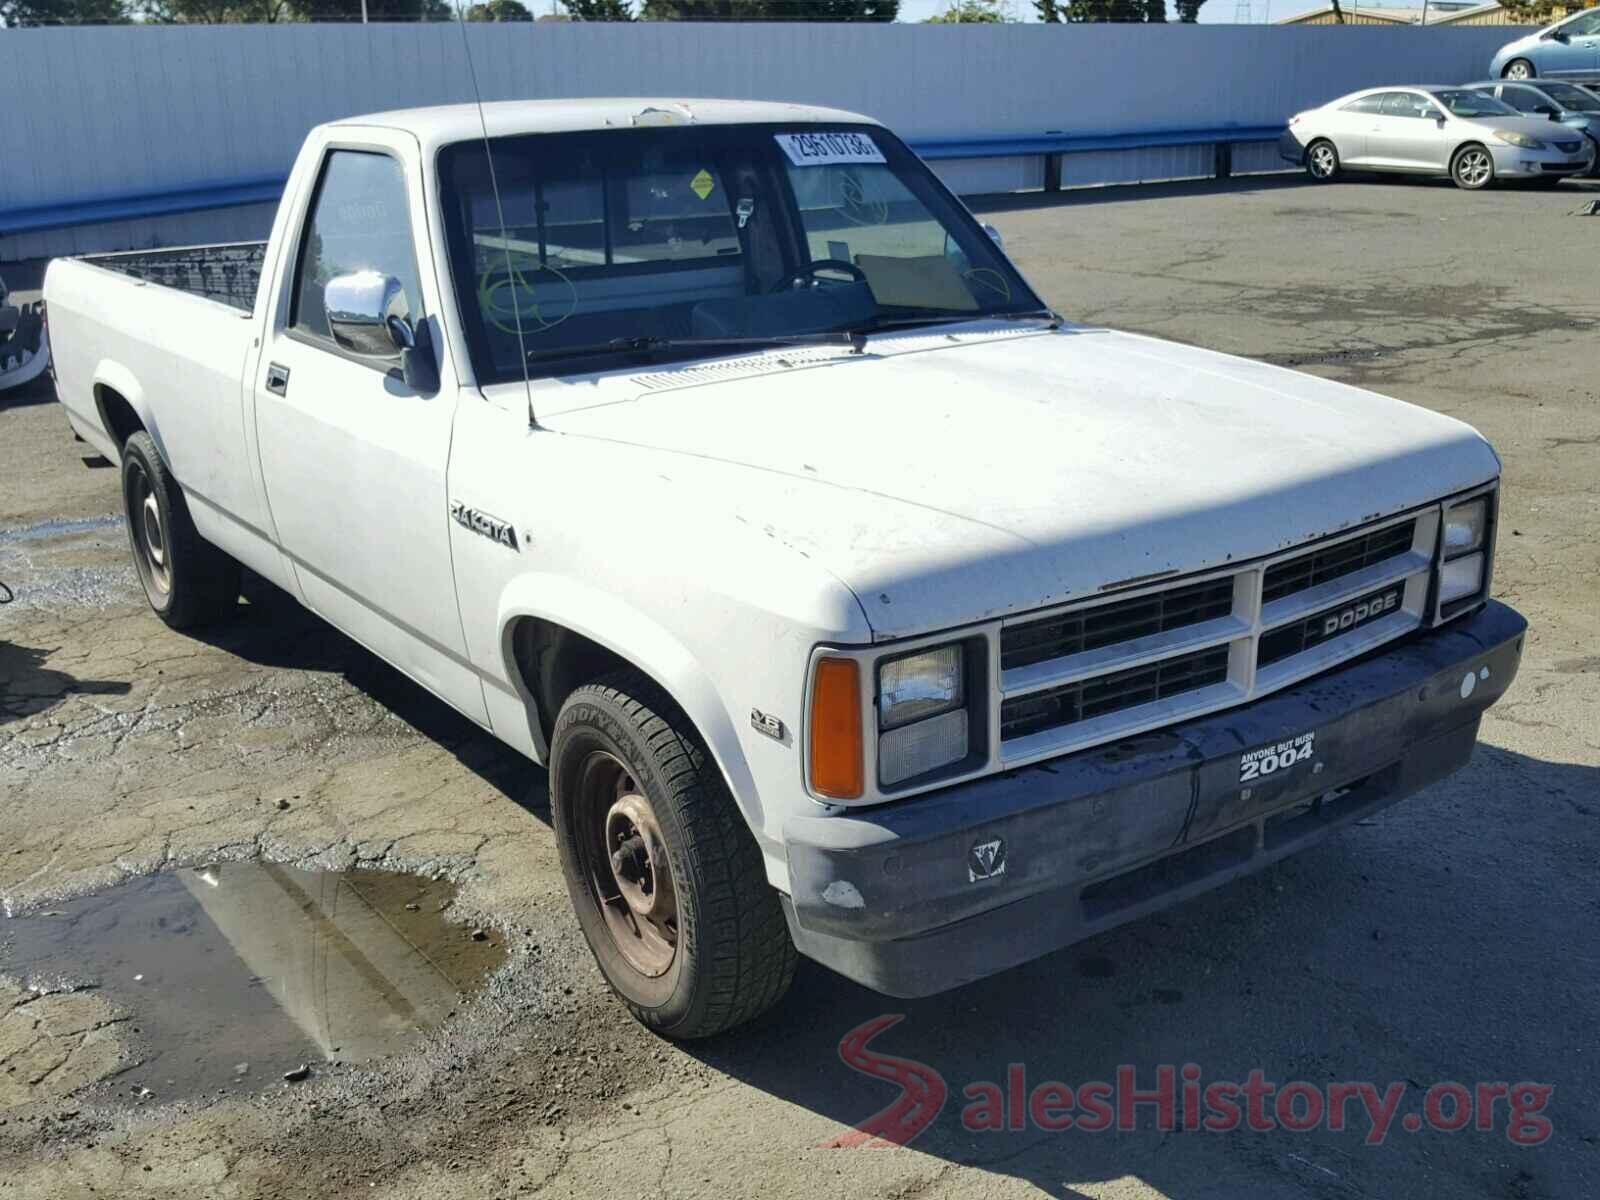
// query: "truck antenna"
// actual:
[[500, 216]]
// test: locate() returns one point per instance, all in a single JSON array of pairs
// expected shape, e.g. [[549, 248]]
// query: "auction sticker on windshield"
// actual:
[[823, 149]]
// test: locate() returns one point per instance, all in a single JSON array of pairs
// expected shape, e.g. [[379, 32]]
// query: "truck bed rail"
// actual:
[[229, 273]]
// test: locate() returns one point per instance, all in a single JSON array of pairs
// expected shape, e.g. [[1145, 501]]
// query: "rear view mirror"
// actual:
[[994, 236], [367, 317]]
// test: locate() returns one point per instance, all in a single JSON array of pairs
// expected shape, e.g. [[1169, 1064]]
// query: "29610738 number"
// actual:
[[1269, 760]]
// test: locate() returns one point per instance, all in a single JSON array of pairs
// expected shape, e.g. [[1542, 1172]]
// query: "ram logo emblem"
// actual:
[[986, 860]]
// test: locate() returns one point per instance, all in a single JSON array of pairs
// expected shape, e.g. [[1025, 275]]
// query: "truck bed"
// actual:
[[227, 272]]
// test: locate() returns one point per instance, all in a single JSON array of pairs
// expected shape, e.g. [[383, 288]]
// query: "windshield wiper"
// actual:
[[1054, 319], [651, 345]]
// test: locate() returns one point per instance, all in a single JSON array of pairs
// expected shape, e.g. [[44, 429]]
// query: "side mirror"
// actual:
[[994, 235], [1439, 121], [366, 316]]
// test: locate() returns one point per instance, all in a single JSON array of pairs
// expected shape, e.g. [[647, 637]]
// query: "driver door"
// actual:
[[1578, 56], [352, 458]]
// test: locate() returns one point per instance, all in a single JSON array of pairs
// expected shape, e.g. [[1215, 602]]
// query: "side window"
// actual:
[[1367, 104], [1585, 26], [358, 222], [1522, 99], [1405, 104]]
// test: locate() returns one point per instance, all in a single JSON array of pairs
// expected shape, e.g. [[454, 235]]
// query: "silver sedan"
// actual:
[[1464, 134]]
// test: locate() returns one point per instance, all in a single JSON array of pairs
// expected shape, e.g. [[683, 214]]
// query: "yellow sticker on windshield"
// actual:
[[702, 184]]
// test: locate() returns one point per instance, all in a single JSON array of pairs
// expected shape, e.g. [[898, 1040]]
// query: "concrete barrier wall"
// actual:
[[99, 111]]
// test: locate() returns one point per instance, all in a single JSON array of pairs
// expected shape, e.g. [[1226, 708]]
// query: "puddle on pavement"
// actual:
[[234, 974]]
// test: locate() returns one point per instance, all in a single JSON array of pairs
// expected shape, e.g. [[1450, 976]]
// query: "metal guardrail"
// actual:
[[1055, 146], [124, 206], [1052, 146]]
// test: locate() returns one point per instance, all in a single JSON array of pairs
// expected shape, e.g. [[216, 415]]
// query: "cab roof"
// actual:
[[441, 125]]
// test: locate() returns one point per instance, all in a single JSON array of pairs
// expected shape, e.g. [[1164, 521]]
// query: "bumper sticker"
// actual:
[[1280, 756]]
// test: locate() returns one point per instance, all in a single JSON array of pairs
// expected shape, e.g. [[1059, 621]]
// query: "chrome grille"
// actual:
[[1095, 672]]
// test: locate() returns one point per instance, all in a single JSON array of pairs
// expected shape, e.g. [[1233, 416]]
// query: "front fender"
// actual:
[[636, 638]]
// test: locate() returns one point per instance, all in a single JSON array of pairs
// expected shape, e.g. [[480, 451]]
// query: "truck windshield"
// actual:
[[661, 240]]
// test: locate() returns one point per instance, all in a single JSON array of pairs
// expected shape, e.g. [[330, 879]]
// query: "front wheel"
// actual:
[[669, 885], [1322, 161], [1519, 68], [1472, 168]]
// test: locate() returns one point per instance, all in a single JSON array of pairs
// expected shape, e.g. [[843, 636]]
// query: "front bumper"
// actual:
[[1513, 162], [936, 891]]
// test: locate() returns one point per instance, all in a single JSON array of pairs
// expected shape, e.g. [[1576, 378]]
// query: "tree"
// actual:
[[377, 10], [1048, 12], [1124, 11], [499, 10], [970, 12], [1537, 12], [704, 10], [1189, 10], [216, 12], [599, 10], [14, 13]]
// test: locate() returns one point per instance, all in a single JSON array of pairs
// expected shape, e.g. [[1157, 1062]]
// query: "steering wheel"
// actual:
[[807, 275]]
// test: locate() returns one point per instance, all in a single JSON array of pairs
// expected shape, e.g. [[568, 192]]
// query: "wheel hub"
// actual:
[[628, 866], [149, 535]]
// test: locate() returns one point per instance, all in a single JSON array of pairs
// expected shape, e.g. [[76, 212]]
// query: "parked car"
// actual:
[[1456, 131], [24, 344], [1568, 49], [714, 455], [1554, 100]]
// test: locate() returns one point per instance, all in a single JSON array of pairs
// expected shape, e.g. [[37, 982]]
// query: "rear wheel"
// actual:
[[1519, 68], [187, 580], [1322, 161], [667, 880], [1472, 168]]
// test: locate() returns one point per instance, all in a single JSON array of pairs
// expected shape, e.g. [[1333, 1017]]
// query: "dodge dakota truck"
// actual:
[[715, 457]]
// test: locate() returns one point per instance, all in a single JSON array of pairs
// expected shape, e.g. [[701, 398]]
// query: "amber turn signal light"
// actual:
[[836, 729]]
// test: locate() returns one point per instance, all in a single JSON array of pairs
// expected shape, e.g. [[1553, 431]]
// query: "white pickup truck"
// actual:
[[714, 456]]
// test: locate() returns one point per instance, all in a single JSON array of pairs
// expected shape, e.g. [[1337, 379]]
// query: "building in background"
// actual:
[[1438, 12]]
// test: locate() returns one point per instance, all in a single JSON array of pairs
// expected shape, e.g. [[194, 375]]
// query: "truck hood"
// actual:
[[953, 477]]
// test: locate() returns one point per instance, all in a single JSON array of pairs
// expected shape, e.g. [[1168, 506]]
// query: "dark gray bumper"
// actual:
[[889, 899]]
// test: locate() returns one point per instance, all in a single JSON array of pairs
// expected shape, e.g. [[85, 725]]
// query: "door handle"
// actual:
[[277, 379]]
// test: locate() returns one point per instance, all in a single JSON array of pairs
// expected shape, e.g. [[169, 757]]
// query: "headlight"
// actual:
[[1464, 554], [1464, 527], [1463, 577], [922, 714], [1519, 139], [919, 686]]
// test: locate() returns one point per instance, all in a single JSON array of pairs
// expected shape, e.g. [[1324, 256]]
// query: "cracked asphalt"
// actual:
[[1450, 939]]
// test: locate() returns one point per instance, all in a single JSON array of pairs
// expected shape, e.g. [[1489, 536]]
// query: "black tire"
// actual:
[[731, 957], [1322, 161], [1472, 167], [1527, 69], [187, 580]]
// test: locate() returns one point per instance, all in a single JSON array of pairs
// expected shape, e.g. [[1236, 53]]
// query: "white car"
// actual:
[[712, 454], [1458, 132]]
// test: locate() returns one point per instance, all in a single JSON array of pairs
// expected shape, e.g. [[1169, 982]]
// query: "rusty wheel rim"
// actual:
[[625, 858]]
